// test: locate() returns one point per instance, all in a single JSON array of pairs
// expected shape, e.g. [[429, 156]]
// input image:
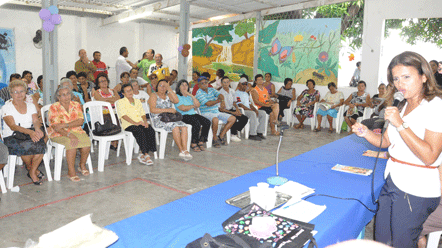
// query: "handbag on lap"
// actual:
[[170, 117], [106, 129]]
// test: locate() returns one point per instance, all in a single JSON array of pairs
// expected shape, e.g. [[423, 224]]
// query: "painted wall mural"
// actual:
[[300, 49], [227, 47], [7, 54]]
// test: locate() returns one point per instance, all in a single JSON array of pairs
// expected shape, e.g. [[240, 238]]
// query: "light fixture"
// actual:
[[135, 16]]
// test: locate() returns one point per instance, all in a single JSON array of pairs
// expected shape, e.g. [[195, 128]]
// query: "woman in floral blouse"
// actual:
[[306, 103], [65, 121]]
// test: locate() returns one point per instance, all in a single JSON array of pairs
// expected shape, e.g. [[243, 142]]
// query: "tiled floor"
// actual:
[[122, 191]]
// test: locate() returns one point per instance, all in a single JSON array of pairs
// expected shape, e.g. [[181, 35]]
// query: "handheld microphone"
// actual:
[[398, 97]]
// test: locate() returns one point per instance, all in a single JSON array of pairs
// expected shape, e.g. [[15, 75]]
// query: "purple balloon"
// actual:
[[55, 19], [48, 26], [180, 48], [45, 14]]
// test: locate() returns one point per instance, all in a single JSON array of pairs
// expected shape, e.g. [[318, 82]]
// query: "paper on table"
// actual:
[[296, 190], [303, 210]]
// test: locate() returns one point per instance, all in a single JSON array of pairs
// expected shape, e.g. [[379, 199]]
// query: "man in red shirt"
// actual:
[[101, 66]]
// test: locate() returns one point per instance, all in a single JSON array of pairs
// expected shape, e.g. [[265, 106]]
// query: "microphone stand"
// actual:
[[277, 180]]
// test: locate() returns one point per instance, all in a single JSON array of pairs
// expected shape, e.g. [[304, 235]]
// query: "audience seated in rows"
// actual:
[[133, 119], [195, 76], [262, 100], [4, 92], [140, 95], [331, 102], [20, 116], [159, 68], [356, 103], [84, 87], [187, 103], [162, 102], [216, 83], [133, 73], [306, 103], [209, 99], [197, 85], [286, 95], [65, 120], [231, 108]]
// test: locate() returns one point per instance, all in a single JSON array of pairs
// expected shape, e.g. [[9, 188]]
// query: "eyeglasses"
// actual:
[[18, 92]]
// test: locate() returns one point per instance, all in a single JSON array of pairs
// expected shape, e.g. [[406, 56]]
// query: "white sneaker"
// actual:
[[235, 138], [184, 156]]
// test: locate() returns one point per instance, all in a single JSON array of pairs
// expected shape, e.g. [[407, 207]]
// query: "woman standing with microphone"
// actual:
[[414, 139]]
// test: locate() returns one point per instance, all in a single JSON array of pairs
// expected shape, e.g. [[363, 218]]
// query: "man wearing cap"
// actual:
[[196, 87], [85, 65], [257, 117], [209, 99]]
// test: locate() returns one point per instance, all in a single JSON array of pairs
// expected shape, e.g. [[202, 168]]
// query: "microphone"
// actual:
[[398, 97], [284, 127]]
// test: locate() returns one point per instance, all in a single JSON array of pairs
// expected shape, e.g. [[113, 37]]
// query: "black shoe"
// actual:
[[40, 175], [261, 136], [222, 140], [113, 147], [255, 137]]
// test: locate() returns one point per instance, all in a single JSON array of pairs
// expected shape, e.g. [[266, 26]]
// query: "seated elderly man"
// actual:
[[209, 99], [257, 117]]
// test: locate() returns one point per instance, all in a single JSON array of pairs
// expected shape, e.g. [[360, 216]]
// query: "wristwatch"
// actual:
[[402, 127]]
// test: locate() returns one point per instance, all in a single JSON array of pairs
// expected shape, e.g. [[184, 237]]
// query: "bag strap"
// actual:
[[312, 243], [238, 240]]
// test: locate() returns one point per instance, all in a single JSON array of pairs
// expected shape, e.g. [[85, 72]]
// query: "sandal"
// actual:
[[147, 160], [202, 148], [216, 144], [275, 133], [195, 148], [74, 178], [83, 172], [297, 126], [317, 130], [330, 130]]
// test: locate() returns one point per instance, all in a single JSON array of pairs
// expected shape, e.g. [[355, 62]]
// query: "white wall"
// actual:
[[86, 32], [375, 13]]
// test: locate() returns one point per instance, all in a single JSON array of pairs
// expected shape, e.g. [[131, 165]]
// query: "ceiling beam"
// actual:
[[60, 7], [273, 4], [236, 18], [178, 14], [147, 8], [216, 6]]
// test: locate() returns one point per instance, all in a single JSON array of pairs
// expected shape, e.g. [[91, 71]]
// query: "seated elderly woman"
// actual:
[[331, 103], [286, 95], [378, 100], [124, 79], [103, 93], [133, 119], [3, 149], [65, 120], [186, 106], [261, 98], [306, 103], [356, 102], [21, 117], [162, 102]]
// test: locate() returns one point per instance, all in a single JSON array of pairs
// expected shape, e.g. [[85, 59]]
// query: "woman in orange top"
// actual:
[[261, 98], [65, 121]]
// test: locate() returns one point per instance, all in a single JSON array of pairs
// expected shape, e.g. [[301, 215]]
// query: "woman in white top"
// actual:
[[141, 95], [414, 140], [232, 108], [333, 100], [20, 116]]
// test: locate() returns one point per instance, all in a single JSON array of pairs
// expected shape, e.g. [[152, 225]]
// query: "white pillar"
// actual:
[[50, 59], [184, 37], [256, 51]]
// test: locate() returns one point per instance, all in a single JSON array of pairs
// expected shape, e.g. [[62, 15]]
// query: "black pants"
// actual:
[[283, 105], [241, 122], [145, 137], [198, 122], [400, 216]]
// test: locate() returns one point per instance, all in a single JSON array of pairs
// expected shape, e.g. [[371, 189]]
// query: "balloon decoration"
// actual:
[[50, 17], [184, 50]]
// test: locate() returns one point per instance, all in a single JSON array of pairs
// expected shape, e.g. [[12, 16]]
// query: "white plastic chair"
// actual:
[[13, 160], [163, 136], [131, 144], [59, 149], [2, 183], [210, 136], [266, 119], [246, 129], [433, 239], [288, 114], [95, 109]]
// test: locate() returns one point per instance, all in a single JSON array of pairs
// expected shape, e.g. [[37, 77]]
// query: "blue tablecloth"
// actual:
[[182, 221]]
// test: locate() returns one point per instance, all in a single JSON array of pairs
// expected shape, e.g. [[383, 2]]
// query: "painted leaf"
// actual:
[[266, 35], [266, 63], [327, 72]]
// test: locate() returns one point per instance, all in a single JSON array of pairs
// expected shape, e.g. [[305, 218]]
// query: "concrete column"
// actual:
[[256, 51], [184, 37], [50, 59]]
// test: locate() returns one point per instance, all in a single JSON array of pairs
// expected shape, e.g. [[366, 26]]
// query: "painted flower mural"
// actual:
[[323, 56]]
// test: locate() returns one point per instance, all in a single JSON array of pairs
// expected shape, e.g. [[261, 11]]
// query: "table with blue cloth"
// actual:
[[180, 222]]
